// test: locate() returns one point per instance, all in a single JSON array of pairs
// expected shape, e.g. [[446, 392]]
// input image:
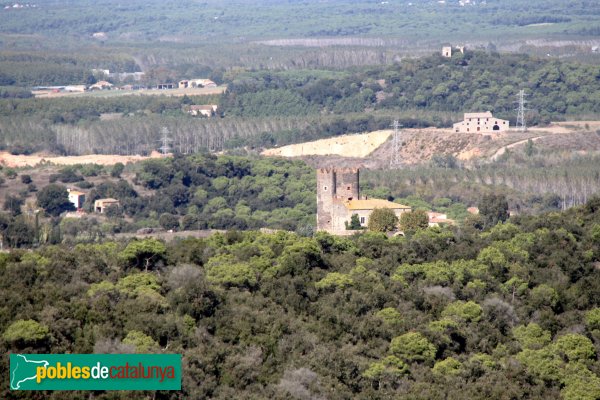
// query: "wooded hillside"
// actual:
[[510, 312]]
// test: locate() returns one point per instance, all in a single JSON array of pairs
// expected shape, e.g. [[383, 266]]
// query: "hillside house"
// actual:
[[76, 197], [101, 205], [101, 85], [483, 122], [75, 89], [435, 219], [196, 83], [338, 198], [447, 50], [206, 110]]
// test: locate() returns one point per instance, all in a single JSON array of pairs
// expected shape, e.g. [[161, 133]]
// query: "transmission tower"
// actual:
[[521, 123], [165, 140], [395, 156]]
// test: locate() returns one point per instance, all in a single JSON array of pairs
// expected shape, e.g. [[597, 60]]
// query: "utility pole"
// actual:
[[521, 123], [395, 155], [165, 148]]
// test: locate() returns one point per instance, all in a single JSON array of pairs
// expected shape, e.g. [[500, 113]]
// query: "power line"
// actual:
[[165, 148], [395, 156], [521, 123]]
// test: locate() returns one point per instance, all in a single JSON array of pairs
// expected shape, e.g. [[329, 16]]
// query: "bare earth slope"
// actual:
[[359, 145], [32, 160], [420, 145]]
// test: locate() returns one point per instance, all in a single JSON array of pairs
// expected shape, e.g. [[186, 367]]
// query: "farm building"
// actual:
[[194, 83], [101, 85], [483, 122], [101, 205], [76, 197], [435, 219], [206, 110]]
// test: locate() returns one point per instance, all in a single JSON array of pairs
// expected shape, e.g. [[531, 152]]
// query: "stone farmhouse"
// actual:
[[483, 122], [338, 198], [101, 205], [196, 83], [205, 110]]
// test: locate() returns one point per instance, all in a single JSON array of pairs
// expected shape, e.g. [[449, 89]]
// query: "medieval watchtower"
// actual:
[[334, 187]]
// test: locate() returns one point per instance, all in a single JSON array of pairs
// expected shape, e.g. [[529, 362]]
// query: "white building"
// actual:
[[77, 198], [483, 122]]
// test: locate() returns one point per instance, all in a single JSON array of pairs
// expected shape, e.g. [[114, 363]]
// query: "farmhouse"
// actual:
[[435, 219], [101, 85], [101, 205], [206, 110], [338, 198], [483, 122], [196, 83]]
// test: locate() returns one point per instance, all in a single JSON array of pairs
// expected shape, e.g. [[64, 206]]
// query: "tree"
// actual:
[[448, 367], [382, 220], [19, 233], [336, 280], [168, 221], [413, 346], [530, 148], [142, 342], [592, 318], [391, 367], [117, 170], [414, 220], [576, 347], [531, 336], [13, 204], [26, 179], [54, 199], [145, 253], [465, 311], [493, 208], [354, 223], [25, 331]]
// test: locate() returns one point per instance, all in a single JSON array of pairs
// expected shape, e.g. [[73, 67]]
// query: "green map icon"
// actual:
[[23, 369]]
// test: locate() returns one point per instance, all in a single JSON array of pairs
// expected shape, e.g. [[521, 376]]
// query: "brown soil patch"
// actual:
[[10, 160]]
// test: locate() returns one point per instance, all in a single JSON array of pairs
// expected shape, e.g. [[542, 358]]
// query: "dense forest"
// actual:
[[142, 21], [509, 312]]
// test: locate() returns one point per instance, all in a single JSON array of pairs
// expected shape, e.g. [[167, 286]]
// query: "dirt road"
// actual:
[[502, 150]]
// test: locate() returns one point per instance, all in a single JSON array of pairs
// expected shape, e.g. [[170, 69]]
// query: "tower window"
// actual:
[[362, 220], [324, 188], [348, 188]]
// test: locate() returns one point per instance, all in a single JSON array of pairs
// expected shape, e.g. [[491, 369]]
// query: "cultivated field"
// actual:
[[44, 94]]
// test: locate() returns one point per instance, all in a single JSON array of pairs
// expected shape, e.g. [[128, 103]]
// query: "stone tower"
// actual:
[[334, 186]]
